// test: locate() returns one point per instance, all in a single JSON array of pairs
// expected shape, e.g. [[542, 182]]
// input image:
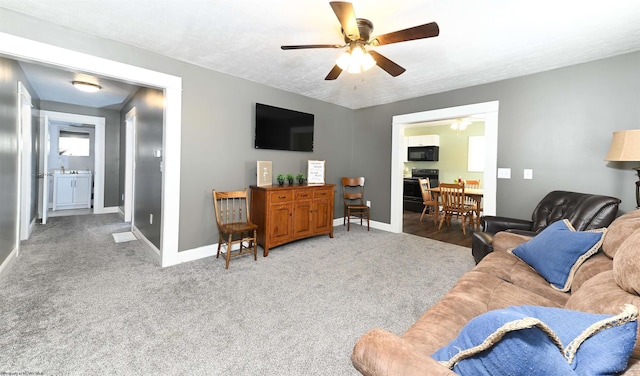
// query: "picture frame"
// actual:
[[315, 172], [263, 173]]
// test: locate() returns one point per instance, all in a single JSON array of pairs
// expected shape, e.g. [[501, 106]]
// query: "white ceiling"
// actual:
[[479, 42], [55, 85]]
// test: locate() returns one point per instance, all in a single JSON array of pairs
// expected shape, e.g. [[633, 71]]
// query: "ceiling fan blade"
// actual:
[[304, 46], [347, 17], [418, 32], [386, 64], [335, 72]]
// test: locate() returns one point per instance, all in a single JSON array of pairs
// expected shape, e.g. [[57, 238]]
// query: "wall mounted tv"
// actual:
[[282, 129]]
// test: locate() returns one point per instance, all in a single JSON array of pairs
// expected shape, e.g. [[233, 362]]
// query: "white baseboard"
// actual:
[[211, 249], [110, 209], [152, 247], [197, 253], [8, 262], [373, 224]]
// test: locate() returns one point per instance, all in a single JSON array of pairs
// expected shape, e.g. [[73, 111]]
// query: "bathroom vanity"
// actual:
[[71, 189]]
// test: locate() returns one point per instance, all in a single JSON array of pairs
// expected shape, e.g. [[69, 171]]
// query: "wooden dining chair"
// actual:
[[474, 184], [353, 201], [235, 228], [428, 201], [453, 204]]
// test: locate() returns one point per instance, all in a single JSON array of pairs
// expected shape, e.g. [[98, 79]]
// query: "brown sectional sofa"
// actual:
[[602, 284]]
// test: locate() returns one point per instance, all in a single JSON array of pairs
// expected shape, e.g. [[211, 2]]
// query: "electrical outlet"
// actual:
[[528, 173], [150, 219], [369, 203]]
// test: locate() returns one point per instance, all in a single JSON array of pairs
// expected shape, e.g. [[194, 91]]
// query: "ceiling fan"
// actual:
[[357, 35]]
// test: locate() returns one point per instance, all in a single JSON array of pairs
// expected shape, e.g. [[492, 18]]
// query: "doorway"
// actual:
[[489, 111], [50, 120], [31, 51]]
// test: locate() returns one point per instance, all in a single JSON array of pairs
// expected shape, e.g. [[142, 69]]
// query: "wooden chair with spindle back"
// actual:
[[234, 224], [353, 201], [453, 204], [474, 184], [429, 201]]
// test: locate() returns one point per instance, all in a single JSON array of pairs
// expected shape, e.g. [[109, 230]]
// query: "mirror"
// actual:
[[74, 143]]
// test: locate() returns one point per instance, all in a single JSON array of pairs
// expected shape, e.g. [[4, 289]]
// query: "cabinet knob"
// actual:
[[282, 197]]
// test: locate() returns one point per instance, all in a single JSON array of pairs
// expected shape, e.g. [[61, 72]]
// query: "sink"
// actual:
[[73, 172]]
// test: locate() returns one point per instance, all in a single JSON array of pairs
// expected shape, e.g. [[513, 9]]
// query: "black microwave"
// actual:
[[423, 153]]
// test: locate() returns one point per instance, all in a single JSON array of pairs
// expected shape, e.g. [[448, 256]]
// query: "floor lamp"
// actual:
[[625, 147]]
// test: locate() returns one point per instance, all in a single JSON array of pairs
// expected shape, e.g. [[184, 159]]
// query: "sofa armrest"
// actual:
[[380, 352], [506, 240], [494, 224]]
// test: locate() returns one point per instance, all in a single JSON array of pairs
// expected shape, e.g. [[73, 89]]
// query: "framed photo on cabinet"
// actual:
[[315, 172], [264, 173]]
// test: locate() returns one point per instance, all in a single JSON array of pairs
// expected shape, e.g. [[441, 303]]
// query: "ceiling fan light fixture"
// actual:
[[460, 124], [344, 60], [87, 87], [368, 62], [358, 61]]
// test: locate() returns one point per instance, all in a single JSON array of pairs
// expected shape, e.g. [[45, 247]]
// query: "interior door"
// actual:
[[26, 169], [46, 145]]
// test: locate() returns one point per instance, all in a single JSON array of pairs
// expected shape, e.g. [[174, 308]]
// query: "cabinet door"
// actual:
[[63, 187], [302, 226], [82, 190], [322, 216], [280, 223]]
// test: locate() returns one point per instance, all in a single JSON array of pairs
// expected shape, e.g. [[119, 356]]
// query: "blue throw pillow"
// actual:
[[532, 340], [558, 251]]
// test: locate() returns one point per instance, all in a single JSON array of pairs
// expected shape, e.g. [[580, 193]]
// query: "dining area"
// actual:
[[461, 200]]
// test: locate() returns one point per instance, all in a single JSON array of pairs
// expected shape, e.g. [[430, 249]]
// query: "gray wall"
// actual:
[[112, 144], [148, 174], [217, 125], [559, 123]]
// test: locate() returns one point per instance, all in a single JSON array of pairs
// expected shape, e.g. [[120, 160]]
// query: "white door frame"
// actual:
[[29, 50], [99, 147], [27, 174], [129, 165], [45, 142], [490, 109]]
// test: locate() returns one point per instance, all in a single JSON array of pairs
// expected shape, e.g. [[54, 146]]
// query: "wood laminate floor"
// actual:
[[411, 224]]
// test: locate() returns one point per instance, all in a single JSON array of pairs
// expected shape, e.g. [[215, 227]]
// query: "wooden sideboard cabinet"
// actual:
[[287, 213]]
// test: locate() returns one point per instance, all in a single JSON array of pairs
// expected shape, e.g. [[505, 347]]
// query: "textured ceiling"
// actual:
[[479, 42]]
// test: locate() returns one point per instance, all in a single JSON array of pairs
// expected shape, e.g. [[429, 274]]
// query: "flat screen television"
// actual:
[[282, 129]]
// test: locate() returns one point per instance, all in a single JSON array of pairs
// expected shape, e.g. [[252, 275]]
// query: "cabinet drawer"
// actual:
[[323, 193], [280, 196], [304, 194]]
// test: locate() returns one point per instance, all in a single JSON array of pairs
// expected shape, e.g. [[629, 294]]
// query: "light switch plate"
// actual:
[[504, 173], [528, 173]]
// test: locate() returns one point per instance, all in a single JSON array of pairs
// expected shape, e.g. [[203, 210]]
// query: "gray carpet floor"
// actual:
[[77, 303]]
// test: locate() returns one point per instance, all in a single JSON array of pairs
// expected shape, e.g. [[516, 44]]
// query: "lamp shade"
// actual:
[[625, 146]]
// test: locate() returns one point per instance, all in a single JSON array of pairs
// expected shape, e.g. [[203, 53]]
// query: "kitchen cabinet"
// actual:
[[423, 140], [71, 191], [287, 213]]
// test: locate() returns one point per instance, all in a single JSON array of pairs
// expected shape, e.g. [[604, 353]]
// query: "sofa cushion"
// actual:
[[509, 268], [558, 251], [601, 294], [475, 293], [594, 265], [540, 341], [619, 230], [626, 264]]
